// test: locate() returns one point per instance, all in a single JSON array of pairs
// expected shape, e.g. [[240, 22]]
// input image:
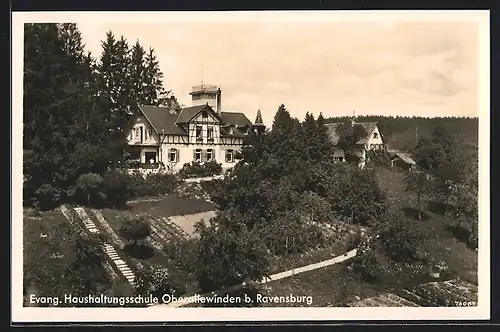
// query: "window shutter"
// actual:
[[203, 155], [177, 158], [194, 154]]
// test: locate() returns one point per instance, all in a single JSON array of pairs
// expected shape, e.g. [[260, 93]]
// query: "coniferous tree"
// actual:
[[154, 92], [113, 84], [138, 75], [53, 85]]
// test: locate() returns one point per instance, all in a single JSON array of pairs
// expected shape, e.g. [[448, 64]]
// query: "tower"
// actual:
[[259, 126], [207, 94]]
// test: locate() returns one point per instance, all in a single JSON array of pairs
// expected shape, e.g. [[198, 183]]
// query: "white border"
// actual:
[[163, 314]]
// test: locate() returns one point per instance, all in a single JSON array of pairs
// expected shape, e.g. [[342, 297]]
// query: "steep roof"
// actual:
[[164, 119], [405, 157], [332, 130], [258, 119], [189, 112], [234, 118]]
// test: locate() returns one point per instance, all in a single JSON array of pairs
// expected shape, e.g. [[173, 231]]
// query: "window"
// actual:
[[210, 154], [150, 157], [229, 156], [375, 135], [197, 155], [210, 133], [199, 131], [150, 132], [172, 155]]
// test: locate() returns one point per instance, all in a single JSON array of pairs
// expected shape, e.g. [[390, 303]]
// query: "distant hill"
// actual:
[[402, 132]]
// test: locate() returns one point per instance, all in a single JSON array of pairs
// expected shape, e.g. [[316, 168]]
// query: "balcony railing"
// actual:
[[204, 88]]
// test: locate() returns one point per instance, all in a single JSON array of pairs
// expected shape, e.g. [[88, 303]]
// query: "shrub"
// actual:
[[229, 253], [47, 197], [88, 189], [136, 228], [210, 187], [402, 239], [196, 169], [157, 281], [160, 184], [116, 186], [379, 158], [290, 233], [356, 194], [183, 252], [354, 240], [366, 265]]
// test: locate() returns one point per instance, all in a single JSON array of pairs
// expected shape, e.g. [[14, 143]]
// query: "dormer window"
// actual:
[[230, 130]]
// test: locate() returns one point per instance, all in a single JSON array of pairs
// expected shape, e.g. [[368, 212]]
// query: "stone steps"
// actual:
[[108, 248]]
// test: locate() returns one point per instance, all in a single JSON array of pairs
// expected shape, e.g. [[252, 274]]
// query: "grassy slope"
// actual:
[[443, 245], [44, 258]]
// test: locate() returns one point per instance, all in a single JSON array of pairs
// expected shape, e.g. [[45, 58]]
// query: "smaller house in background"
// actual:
[[402, 160], [372, 141]]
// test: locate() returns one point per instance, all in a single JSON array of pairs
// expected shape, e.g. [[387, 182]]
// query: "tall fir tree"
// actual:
[[138, 75], [53, 102], [154, 92], [114, 91]]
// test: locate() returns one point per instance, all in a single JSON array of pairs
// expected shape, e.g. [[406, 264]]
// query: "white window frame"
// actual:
[[196, 151], [201, 132], [210, 132], [209, 155], [229, 152], [174, 152]]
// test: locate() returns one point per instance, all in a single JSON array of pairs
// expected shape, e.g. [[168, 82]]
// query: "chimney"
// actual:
[[219, 101]]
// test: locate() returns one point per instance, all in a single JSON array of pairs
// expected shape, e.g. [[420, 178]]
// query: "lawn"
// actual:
[[330, 286], [45, 255], [170, 206]]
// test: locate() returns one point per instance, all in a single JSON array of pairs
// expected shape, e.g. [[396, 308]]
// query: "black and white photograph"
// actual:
[[181, 166]]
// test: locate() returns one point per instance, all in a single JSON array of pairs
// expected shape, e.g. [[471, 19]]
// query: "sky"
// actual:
[[405, 68]]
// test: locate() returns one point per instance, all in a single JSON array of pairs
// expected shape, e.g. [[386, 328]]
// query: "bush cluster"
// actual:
[[196, 169]]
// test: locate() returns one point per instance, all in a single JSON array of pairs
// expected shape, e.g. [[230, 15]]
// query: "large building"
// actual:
[[165, 137]]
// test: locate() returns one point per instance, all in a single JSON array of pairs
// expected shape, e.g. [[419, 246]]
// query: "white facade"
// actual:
[[374, 140], [202, 143]]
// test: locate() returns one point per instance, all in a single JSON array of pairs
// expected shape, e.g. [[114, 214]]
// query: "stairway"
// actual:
[[108, 248]]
